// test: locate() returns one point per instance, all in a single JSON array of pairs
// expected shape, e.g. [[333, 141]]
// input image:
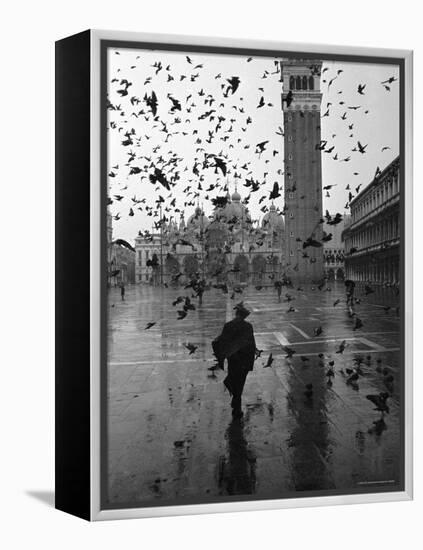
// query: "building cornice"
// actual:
[[369, 218], [384, 246], [392, 167]]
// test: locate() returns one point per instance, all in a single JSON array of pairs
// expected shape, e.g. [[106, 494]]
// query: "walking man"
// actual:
[[122, 291], [236, 344]]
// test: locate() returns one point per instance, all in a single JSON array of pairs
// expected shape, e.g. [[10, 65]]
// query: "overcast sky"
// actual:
[[375, 124]]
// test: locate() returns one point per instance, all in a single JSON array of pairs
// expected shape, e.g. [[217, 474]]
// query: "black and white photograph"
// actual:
[[210, 291], [254, 263]]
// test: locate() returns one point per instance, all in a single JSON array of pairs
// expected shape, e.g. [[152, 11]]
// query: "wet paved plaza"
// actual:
[[170, 431]]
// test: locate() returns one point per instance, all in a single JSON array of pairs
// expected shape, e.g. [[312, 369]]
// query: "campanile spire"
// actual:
[[301, 101]]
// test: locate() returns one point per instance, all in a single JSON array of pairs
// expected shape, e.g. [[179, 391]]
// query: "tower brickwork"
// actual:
[[301, 103]]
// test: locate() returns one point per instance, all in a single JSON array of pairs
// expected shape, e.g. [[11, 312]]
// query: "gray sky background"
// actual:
[[379, 127]]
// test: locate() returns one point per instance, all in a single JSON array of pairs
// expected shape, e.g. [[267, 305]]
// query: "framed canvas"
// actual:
[[233, 282]]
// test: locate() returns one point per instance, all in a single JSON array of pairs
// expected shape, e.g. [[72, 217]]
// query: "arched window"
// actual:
[[291, 83], [310, 83], [298, 82], [304, 83]]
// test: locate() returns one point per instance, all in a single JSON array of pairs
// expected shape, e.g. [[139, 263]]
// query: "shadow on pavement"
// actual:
[[46, 497]]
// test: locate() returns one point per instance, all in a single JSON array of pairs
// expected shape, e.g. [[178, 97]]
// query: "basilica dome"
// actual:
[[273, 220], [197, 220], [233, 210], [236, 197]]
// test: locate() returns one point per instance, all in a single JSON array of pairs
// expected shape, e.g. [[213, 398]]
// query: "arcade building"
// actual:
[[334, 252], [372, 239]]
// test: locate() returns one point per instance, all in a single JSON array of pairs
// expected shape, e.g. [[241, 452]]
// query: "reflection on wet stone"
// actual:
[[309, 438], [237, 470], [171, 436]]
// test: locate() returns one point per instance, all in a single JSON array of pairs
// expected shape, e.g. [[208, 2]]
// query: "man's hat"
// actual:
[[242, 310]]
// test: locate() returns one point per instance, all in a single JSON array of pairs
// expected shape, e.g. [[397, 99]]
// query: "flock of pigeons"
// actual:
[[351, 375], [215, 126]]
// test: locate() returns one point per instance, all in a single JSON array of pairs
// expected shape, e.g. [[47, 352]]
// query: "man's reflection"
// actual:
[[238, 468]]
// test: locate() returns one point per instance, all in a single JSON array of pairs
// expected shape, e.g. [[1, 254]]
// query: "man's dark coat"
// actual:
[[236, 343]]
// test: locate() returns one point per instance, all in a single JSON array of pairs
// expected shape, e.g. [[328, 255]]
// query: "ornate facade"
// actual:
[[122, 260], [301, 101], [372, 238], [334, 252], [228, 246]]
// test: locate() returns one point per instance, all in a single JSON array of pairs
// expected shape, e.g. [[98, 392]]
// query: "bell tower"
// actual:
[[301, 102]]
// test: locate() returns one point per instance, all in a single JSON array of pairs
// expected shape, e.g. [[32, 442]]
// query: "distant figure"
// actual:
[[278, 286], [199, 286], [349, 288], [236, 344], [200, 290], [122, 291]]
